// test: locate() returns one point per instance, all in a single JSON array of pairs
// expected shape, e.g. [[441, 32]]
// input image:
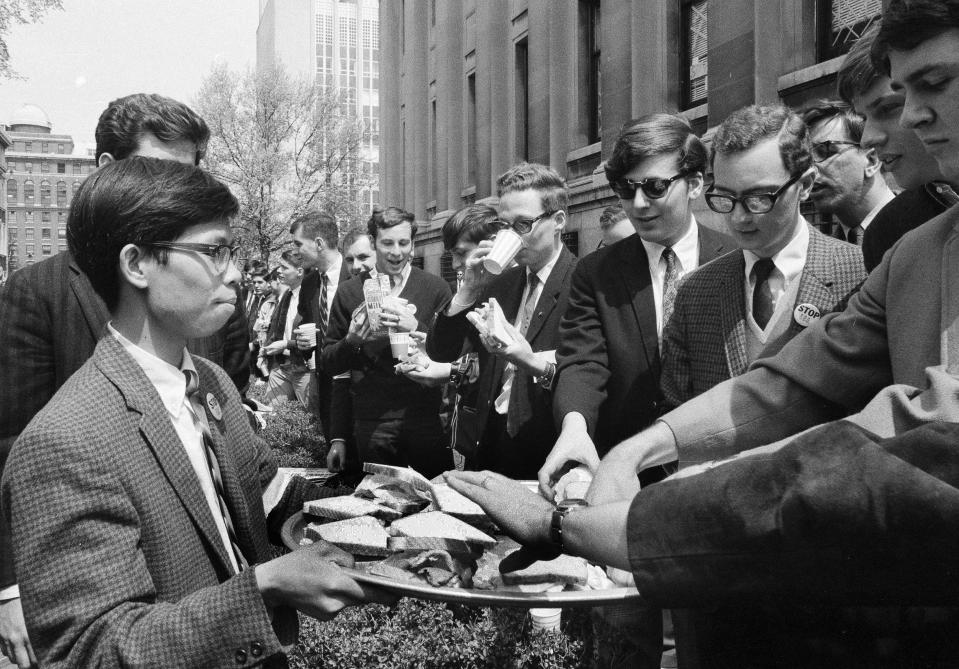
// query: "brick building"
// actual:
[[41, 179], [470, 87]]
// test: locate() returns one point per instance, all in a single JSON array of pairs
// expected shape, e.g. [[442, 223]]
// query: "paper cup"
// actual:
[[307, 329], [546, 619], [400, 345], [505, 247]]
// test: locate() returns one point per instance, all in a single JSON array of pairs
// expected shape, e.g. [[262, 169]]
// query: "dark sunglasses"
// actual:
[[522, 225], [653, 188], [754, 203], [221, 253], [825, 150]]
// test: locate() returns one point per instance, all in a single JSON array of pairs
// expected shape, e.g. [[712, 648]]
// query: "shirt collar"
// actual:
[[687, 247], [169, 381], [864, 223], [544, 271], [333, 271], [791, 258]]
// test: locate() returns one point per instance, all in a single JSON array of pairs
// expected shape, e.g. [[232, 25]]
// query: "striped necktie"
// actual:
[[670, 283], [199, 420], [324, 311]]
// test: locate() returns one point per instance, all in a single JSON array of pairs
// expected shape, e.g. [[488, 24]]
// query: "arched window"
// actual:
[[45, 192], [11, 190], [28, 192], [61, 193]]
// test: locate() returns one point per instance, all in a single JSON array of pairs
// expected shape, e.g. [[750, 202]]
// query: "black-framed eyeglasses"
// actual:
[[523, 225], [822, 151], [754, 203], [222, 254], [652, 187]]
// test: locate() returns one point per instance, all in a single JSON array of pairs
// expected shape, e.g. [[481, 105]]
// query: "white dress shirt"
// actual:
[[291, 317], [687, 252], [864, 223]]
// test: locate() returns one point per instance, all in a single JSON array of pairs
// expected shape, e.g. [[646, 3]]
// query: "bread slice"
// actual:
[[457, 505], [452, 546], [359, 536], [347, 506], [441, 526], [564, 569]]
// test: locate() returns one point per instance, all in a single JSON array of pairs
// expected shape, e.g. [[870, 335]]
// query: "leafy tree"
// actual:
[[285, 147], [19, 11]]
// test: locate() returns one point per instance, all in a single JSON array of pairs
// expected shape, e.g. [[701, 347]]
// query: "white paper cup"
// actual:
[[546, 619], [505, 247], [308, 330], [400, 345]]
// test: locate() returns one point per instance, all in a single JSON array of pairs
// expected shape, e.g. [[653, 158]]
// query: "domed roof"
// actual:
[[30, 115]]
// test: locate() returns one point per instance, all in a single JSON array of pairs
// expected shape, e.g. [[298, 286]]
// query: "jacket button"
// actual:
[[256, 649], [240, 656]]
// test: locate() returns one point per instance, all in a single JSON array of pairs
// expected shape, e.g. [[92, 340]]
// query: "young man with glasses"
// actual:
[[748, 304], [850, 184], [513, 423], [139, 497]]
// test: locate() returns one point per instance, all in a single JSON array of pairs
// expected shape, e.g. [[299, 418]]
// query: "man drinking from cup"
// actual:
[[512, 416]]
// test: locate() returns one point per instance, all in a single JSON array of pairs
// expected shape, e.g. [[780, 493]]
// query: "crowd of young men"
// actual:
[[136, 500]]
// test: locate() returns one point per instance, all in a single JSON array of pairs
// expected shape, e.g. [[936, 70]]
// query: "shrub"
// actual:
[[294, 435]]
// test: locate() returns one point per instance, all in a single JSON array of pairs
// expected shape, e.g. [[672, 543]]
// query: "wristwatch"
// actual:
[[546, 380], [556, 522]]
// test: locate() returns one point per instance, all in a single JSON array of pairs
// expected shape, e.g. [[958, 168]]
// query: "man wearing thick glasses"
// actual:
[[513, 425], [747, 305], [850, 184]]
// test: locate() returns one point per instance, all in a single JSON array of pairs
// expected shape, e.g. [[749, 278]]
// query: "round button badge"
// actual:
[[806, 314], [214, 406]]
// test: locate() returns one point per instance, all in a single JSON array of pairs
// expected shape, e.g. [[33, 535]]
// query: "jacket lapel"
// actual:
[[549, 297], [733, 314], [633, 267], [815, 284], [712, 244], [157, 430], [94, 310]]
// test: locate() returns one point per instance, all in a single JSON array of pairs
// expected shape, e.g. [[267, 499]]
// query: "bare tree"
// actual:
[[285, 147], [19, 11]]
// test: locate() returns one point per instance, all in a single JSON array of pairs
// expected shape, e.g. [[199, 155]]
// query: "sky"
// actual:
[[77, 60]]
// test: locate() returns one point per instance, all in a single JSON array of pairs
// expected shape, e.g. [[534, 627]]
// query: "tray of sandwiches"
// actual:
[[420, 538]]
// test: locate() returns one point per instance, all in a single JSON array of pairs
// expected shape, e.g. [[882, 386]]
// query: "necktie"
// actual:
[[762, 294], [199, 419], [670, 283], [324, 311], [853, 235], [510, 379]]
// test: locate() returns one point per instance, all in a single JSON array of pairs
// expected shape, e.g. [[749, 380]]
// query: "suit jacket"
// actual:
[[278, 328], [447, 336], [118, 557], [900, 328], [309, 307], [704, 342], [50, 322], [608, 358]]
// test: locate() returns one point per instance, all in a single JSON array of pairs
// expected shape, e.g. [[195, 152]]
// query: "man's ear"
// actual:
[[105, 159], [132, 267], [320, 244], [873, 164], [807, 181], [695, 181], [560, 218]]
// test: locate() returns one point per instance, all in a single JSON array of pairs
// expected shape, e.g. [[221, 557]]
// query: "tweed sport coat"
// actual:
[[704, 342], [608, 357], [118, 557]]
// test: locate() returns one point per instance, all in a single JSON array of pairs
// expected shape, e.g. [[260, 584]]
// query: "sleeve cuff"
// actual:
[[10, 592]]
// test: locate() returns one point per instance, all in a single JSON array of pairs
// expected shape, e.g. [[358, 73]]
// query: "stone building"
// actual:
[[470, 87], [42, 177]]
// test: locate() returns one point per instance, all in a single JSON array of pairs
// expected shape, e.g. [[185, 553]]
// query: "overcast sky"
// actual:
[[75, 61]]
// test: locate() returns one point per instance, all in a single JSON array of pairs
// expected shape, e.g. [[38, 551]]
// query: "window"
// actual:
[[28, 167], [44, 192], [45, 233], [571, 239], [62, 217], [46, 216], [841, 22], [695, 53], [61, 193], [44, 166], [28, 192], [29, 219], [59, 148], [11, 190], [61, 167], [11, 235], [76, 168], [522, 99], [44, 147], [30, 233], [61, 246], [61, 233], [471, 147], [589, 75], [28, 146], [30, 249], [47, 249]]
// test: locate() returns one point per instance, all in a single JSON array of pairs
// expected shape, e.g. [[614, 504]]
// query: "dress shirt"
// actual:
[[687, 252], [291, 317], [501, 404], [332, 281], [783, 281], [170, 384], [404, 277], [864, 223]]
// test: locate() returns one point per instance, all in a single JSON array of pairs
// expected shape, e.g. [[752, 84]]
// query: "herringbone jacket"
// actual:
[[704, 342]]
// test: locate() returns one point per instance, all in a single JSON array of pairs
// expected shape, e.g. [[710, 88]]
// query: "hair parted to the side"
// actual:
[[292, 258], [472, 223], [858, 73], [315, 224], [611, 214], [258, 268], [908, 23], [139, 201], [748, 126], [821, 111], [126, 119], [554, 195], [382, 219], [350, 236], [656, 135]]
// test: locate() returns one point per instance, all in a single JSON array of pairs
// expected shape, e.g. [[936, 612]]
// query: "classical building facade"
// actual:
[[472, 86], [41, 178], [334, 43]]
